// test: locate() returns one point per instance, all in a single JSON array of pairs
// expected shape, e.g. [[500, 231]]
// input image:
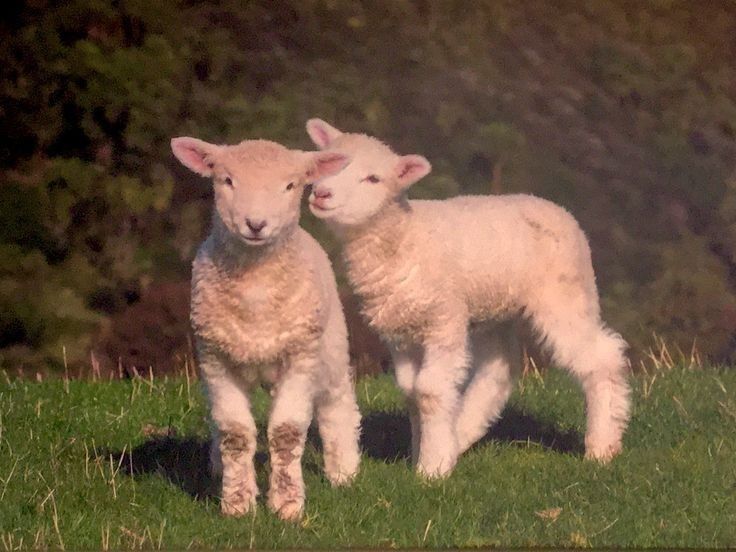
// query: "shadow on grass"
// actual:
[[184, 462], [387, 435]]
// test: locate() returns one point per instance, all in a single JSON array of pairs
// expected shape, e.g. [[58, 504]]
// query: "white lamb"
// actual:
[[442, 281], [265, 308]]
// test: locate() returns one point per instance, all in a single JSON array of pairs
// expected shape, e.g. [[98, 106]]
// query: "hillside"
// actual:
[[624, 112]]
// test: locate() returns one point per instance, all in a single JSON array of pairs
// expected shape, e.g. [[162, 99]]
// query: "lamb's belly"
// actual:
[[492, 303]]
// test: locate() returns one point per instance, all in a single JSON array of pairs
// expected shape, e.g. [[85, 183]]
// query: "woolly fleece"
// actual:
[[445, 282], [265, 308]]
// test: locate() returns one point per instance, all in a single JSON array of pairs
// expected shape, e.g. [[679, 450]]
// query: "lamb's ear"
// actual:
[[326, 163], [194, 154], [321, 133], [409, 169]]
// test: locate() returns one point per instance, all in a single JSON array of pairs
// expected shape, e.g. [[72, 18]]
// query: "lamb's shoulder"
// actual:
[[263, 314], [399, 295]]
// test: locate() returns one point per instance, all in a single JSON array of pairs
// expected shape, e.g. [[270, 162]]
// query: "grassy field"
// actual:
[[122, 465]]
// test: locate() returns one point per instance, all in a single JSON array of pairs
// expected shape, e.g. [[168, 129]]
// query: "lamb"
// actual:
[[444, 281], [265, 308]]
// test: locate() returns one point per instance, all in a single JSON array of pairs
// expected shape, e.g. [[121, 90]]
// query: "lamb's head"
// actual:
[[258, 184], [374, 177]]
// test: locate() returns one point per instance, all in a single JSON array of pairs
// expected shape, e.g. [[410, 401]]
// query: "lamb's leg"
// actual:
[[234, 441], [291, 413], [607, 393], [496, 357], [339, 427], [437, 395], [595, 357], [406, 366]]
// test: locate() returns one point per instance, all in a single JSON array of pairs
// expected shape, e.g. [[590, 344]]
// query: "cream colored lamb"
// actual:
[[443, 282], [265, 308]]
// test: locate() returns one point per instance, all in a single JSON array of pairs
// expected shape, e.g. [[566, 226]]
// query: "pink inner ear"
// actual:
[[411, 167], [195, 158], [408, 168], [326, 164], [192, 155], [321, 136], [321, 133]]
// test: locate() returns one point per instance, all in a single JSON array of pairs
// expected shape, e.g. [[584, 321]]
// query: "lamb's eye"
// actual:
[[289, 186], [228, 181], [372, 178]]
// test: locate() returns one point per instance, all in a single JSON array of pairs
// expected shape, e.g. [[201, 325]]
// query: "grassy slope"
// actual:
[[674, 486]]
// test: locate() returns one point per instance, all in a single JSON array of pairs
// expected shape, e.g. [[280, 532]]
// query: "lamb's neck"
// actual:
[[368, 247], [234, 256]]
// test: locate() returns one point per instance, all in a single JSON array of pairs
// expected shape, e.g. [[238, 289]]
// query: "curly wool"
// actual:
[[265, 308], [443, 281]]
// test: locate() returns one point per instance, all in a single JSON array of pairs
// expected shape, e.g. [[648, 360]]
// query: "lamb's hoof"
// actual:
[[603, 455], [342, 479], [435, 472], [289, 510], [238, 502], [237, 508]]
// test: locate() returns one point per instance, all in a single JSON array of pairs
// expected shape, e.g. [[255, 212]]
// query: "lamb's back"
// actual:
[[481, 231], [497, 248]]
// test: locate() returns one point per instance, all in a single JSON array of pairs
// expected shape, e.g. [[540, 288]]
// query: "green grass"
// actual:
[[526, 485]]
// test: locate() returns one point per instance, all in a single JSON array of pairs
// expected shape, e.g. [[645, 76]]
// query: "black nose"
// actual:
[[255, 226]]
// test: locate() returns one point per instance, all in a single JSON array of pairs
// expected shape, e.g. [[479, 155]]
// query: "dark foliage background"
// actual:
[[622, 111]]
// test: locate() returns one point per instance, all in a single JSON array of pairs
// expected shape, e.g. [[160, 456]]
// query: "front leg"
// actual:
[[291, 413], [437, 396], [234, 438], [407, 362]]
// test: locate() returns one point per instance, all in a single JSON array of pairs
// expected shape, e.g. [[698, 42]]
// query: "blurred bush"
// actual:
[[623, 112]]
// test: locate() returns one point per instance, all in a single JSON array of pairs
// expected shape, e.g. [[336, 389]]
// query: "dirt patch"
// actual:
[[234, 443], [540, 230], [284, 484], [285, 439]]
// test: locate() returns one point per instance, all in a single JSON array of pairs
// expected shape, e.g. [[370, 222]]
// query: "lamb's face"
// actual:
[[257, 203], [374, 177], [258, 184], [356, 193]]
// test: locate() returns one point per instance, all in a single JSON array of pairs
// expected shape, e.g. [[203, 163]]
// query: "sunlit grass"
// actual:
[[122, 465]]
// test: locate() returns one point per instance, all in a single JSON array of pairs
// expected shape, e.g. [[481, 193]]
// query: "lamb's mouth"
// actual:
[[320, 207], [254, 240]]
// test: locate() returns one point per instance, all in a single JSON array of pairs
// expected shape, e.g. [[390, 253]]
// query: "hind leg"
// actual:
[[497, 362], [339, 427], [607, 405], [406, 366], [594, 355]]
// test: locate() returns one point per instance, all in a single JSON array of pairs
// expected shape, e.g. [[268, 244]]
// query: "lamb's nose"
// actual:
[[255, 226], [321, 193]]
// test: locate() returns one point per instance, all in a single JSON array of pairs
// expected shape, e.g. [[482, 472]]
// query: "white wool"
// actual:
[[443, 283], [265, 308]]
